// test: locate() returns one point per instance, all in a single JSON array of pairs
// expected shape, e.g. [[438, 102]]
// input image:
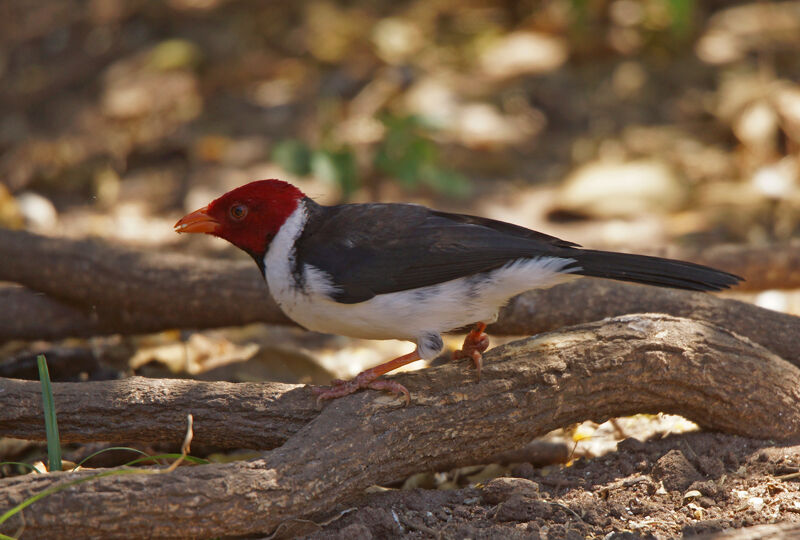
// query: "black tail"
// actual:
[[651, 270]]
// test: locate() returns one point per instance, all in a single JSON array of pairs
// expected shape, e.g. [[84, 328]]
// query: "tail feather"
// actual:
[[651, 270]]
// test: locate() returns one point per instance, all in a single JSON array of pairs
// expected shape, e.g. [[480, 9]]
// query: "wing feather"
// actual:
[[384, 248]]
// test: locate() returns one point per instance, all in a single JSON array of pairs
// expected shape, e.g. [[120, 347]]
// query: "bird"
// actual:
[[405, 271]]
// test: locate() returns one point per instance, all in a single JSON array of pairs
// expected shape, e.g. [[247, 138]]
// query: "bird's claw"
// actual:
[[365, 380], [476, 342]]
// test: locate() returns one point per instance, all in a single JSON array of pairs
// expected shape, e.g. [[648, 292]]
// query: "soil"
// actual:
[[682, 485]]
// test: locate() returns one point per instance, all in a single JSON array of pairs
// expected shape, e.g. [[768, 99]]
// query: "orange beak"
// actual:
[[197, 222]]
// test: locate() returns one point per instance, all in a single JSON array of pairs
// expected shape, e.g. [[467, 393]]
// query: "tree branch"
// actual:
[[28, 314], [228, 415], [590, 300], [135, 291], [632, 364], [94, 288]]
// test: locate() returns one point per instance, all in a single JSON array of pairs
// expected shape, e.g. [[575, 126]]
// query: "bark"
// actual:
[[590, 300], [130, 291], [28, 314], [632, 364], [227, 415]]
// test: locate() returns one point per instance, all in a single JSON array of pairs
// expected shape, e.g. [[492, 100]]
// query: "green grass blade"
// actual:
[[127, 448], [190, 459], [50, 423], [146, 457], [116, 472]]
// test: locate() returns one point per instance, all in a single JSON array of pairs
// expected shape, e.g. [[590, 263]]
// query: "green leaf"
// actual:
[[50, 423], [293, 156], [447, 182], [408, 155], [405, 151], [681, 15], [336, 167]]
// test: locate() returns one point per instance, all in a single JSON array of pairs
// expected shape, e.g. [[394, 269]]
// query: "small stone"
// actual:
[[501, 489], [691, 494], [521, 508], [706, 502], [523, 470], [711, 466], [675, 471]]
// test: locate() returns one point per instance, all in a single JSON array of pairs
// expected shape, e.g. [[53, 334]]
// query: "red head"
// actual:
[[248, 217]]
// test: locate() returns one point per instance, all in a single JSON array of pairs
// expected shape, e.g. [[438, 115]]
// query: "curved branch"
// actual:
[[588, 300], [632, 364], [94, 288]]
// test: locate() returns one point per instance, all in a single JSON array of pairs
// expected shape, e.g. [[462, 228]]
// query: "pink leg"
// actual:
[[368, 379], [475, 343]]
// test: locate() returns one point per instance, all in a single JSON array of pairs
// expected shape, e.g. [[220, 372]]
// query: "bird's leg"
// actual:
[[475, 343], [368, 379]]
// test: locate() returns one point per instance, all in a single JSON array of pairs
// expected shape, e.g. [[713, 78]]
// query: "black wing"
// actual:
[[395, 247]]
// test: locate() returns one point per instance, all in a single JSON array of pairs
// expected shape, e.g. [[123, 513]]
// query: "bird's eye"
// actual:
[[238, 212]]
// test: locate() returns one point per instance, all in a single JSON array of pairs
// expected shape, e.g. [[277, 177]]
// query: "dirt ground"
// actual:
[[682, 485]]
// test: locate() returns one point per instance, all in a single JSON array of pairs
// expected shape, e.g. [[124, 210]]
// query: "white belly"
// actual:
[[413, 313], [401, 315]]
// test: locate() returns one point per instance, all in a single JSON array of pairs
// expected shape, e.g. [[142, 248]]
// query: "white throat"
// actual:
[[279, 261]]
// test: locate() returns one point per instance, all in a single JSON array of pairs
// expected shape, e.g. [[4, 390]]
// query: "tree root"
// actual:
[[631, 364]]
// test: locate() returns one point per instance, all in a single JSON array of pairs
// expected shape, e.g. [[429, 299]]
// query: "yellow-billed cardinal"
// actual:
[[403, 271]]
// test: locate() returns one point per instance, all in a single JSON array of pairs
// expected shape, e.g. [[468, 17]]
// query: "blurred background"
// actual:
[[641, 125], [661, 120]]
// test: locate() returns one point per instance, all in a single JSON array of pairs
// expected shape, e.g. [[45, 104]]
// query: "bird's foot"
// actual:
[[476, 342], [368, 379], [364, 380]]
